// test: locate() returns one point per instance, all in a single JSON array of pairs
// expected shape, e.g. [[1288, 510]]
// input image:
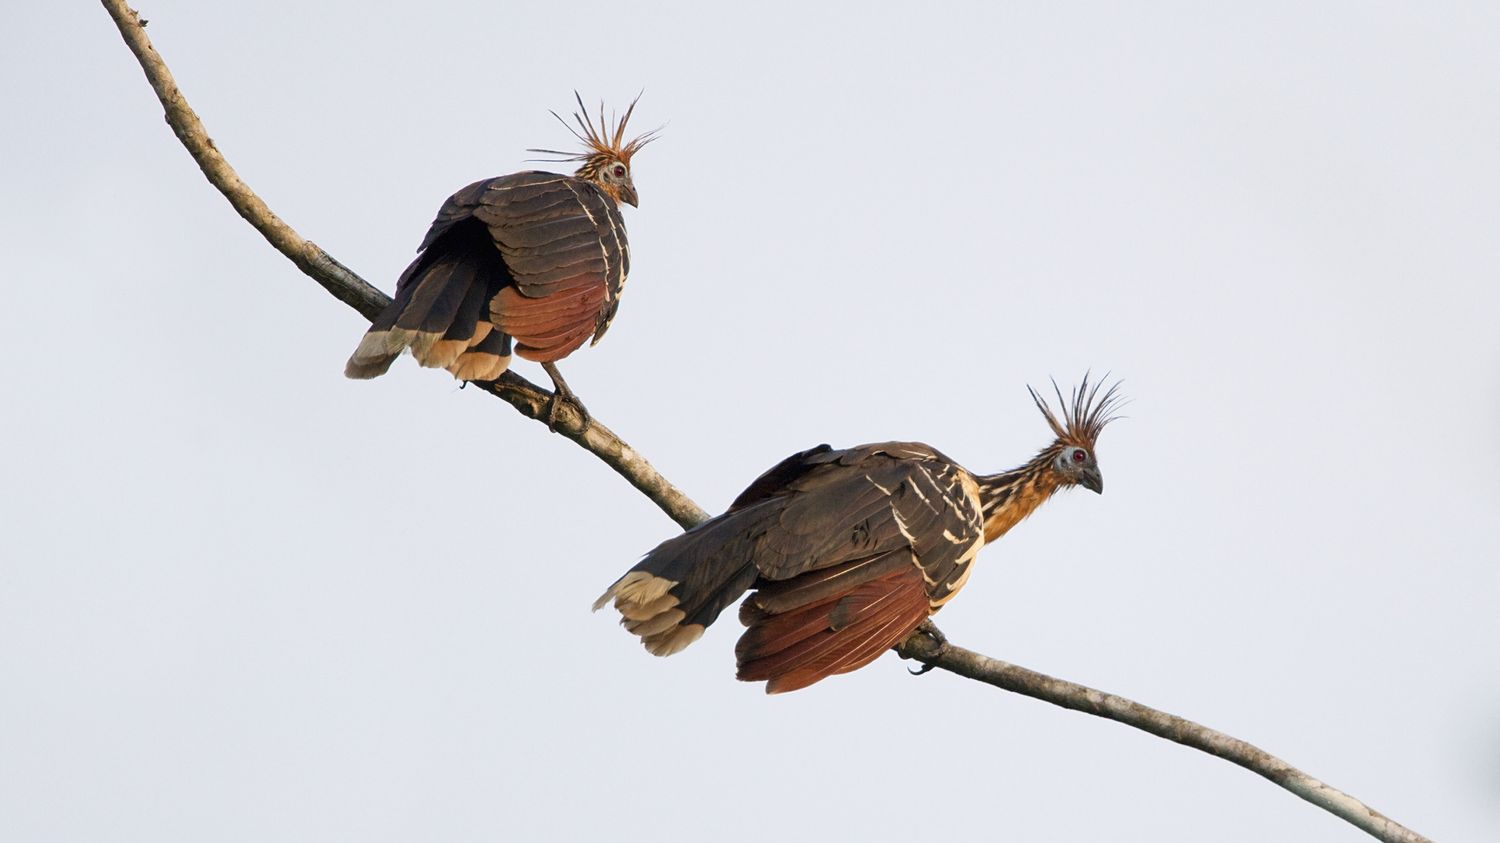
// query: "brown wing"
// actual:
[[866, 549], [564, 243], [774, 480], [840, 633], [870, 500], [848, 551]]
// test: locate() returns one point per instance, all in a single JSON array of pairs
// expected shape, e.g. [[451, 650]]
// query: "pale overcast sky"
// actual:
[[243, 598]]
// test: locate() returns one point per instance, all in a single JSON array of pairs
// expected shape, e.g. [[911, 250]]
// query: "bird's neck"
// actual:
[[1010, 496]]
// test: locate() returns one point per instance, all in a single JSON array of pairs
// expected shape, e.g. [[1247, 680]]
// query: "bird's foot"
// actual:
[[939, 644], [561, 396]]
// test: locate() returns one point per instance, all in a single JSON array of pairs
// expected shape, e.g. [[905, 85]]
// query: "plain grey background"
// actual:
[[243, 598]]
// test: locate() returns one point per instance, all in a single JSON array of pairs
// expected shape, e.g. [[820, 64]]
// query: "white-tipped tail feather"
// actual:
[[375, 353], [648, 609], [479, 366], [468, 360]]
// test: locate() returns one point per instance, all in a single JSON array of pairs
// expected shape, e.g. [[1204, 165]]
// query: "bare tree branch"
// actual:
[[1082, 698], [530, 400], [359, 294]]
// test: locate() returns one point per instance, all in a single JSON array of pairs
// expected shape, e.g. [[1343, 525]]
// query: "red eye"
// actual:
[[1079, 455], [619, 171]]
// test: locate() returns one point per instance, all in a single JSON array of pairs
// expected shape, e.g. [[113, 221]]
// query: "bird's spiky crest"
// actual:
[[598, 141], [1085, 415]]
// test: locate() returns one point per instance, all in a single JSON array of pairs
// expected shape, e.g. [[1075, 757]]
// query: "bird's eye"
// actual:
[[619, 170], [1079, 455]]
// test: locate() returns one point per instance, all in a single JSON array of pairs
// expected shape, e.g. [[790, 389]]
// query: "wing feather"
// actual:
[[867, 543], [846, 552], [861, 625], [554, 228]]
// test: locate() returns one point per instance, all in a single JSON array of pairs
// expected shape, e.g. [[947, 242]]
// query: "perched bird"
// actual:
[[849, 551], [536, 259]]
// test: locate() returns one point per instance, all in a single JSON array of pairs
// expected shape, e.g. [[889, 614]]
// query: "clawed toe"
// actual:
[[554, 404], [561, 394], [929, 630]]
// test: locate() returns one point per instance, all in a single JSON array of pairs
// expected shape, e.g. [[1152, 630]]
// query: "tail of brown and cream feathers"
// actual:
[[681, 586], [440, 312]]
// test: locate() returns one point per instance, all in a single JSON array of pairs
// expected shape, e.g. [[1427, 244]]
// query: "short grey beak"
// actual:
[[1093, 481], [627, 195]]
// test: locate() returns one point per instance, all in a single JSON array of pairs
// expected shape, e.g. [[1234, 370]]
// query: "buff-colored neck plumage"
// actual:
[[1008, 497]]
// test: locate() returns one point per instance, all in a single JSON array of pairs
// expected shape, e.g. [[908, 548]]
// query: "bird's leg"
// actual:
[[561, 392], [929, 630]]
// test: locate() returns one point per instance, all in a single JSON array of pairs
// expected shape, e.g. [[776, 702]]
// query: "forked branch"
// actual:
[[531, 401]]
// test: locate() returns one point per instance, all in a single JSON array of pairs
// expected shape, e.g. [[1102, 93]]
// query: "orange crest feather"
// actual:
[[1085, 415], [598, 141]]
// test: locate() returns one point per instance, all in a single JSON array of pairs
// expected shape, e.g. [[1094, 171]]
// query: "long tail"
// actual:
[[441, 312], [680, 587]]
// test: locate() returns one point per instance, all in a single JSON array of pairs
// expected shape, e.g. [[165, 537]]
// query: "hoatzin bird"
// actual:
[[848, 552], [536, 258]]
